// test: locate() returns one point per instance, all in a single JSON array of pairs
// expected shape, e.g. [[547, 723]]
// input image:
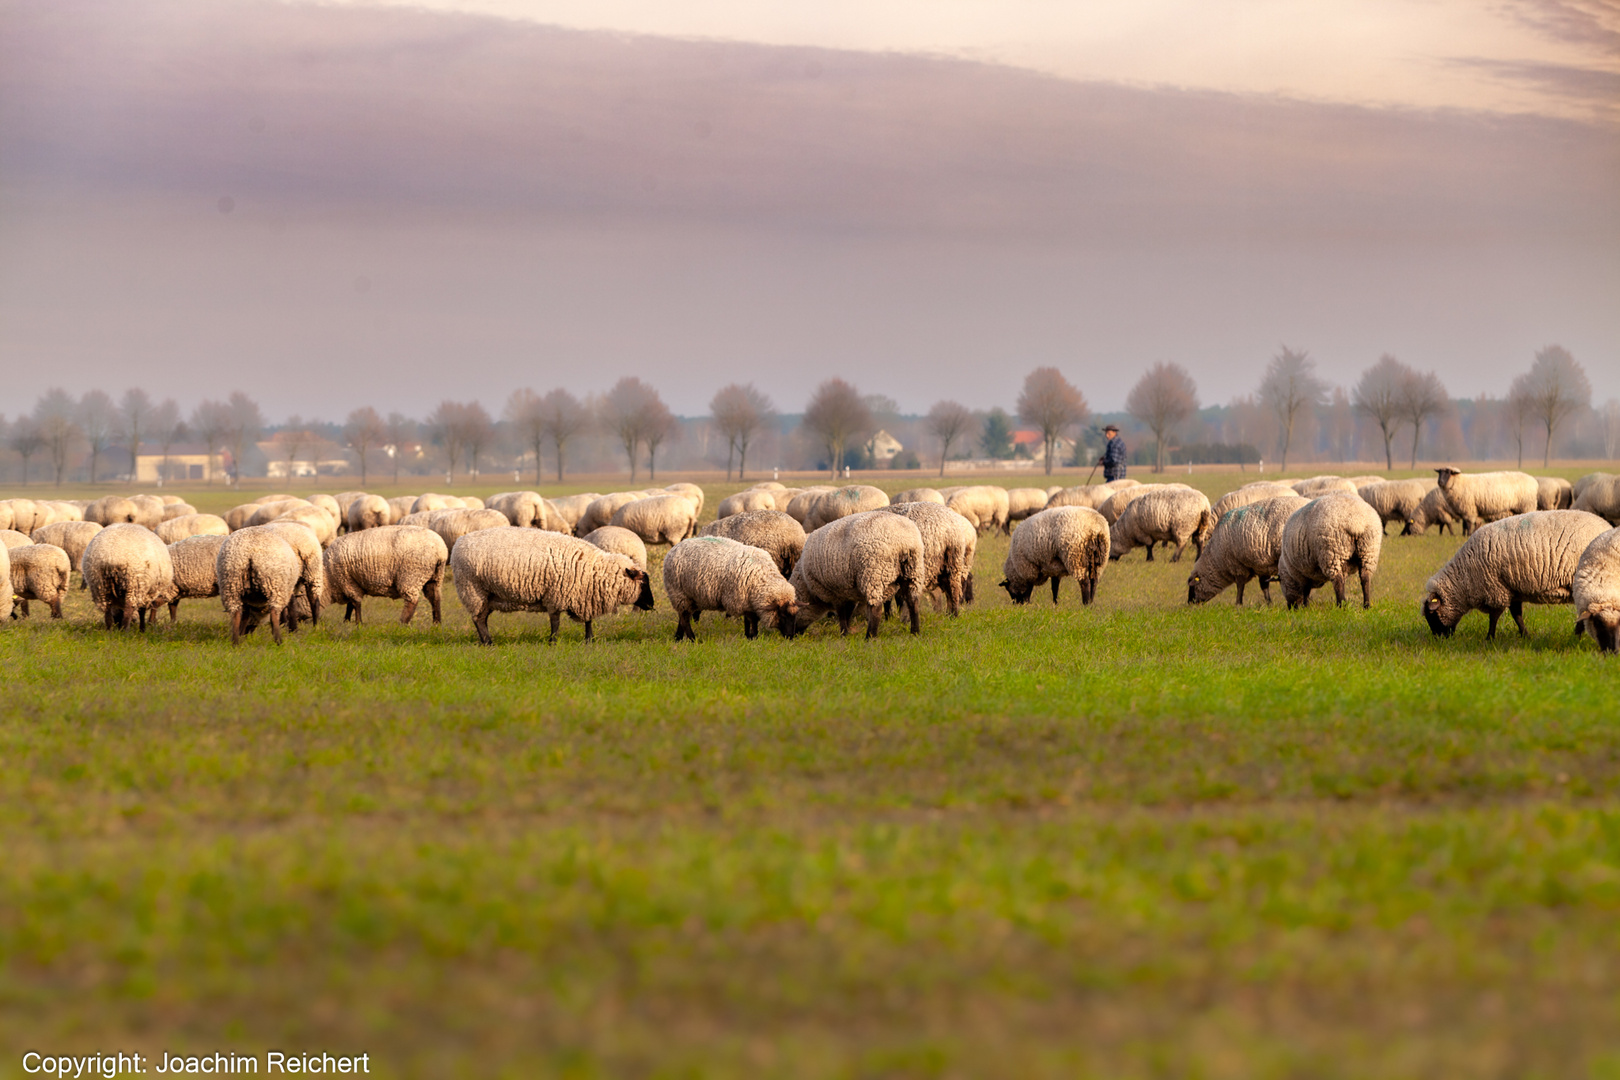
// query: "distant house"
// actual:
[[318, 459], [1030, 444], [884, 446], [184, 461]]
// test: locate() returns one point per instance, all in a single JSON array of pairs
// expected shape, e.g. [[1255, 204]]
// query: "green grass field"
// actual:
[[1133, 840]]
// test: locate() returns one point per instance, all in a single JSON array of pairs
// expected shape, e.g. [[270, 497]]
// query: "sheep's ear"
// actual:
[[632, 573]]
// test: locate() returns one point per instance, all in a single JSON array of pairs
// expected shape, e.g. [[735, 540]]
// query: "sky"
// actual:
[[344, 204]]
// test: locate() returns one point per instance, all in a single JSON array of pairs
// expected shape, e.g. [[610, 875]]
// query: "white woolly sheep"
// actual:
[[129, 574], [178, 509], [148, 510], [1248, 493], [1433, 510], [1583, 482], [71, 536], [1058, 542], [259, 572], [266, 512], [367, 512], [1176, 516], [621, 540], [1529, 558], [914, 495], [600, 511], [854, 499], [949, 546], [1323, 485], [312, 576], [530, 570], [398, 507], [770, 530], [11, 538], [196, 569], [400, 562], [784, 496], [524, 509], [177, 529], [1601, 497], [1115, 504], [62, 510], [1595, 589], [1022, 502], [1474, 498], [570, 508], [1324, 541], [318, 518], [691, 491], [6, 601], [860, 561], [1396, 500], [1554, 493], [661, 519], [452, 525], [111, 510], [1245, 544], [983, 505], [7, 517], [716, 573], [1089, 495], [802, 502], [432, 500], [39, 572], [744, 502]]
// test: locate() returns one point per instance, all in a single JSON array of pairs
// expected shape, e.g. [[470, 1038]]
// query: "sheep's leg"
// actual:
[[843, 613], [56, 608], [1494, 613], [588, 636], [174, 612], [130, 617], [431, 589], [1366, 588], [1056, 583], [406, 613], [21, 609], [872, 621], [481, 622], [1338, 591], [556, 621], [888, 610], [236, 627], [314, 605], [750, 625], [1241, 582], [1516, 609], [1179, 549], [911, 608], [1265, 588], [683, 629], [275, 623], [1150, 551], [1088, 590]]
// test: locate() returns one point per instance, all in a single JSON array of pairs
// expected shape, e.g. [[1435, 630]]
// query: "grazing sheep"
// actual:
[[432, 500], [1474, 498], [1554, 493], [39, 572], [7, 517], [398, 507], [1113, 506], [71, 536], [745, 502], [1595, 590], [984, 506], [129, 574], [691, 491], [784, 496], [332, 507], [1433, 510], [196, 569], [949, 545], [1601, 497], [274, 496], [1248, 493], [861, 560], [179, 528], [800, 504], [600, 511], [716, 573], [63, 511], [11, 538], [1172, 515], [111, 510], [530, 570], [1245, 544], [367, 512], [452, 525], [148, 510], [660, 519], [259, 572], [1088, 495], [1362, 481], [523, 509], [1022, 502], [318, 518], [1396, 500], [346, 499], [1058, 542], [237, 516], [570, 508], [6, 600], [854, 499], [400, 562], [620, 540], [1584, 482], [914, 495], [1323, 541], [770, 530], [266, 512], [178, 509], [312, 577], [1505, 564], [1323, 485]]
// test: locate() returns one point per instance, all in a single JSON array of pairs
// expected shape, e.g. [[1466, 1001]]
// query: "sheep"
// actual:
[[148, 510], [1554, 493], [72, 537], [1396, 500], [259, 572], [800, 504], [237, 516], [660, 519], [1090, 495], [1173, 515], [1115, 504], [783, 496], [452, 524], [621, 540], [1583, 482], [770, 530], [11, 538], [530, 570], [570, 508], [1433, 510], [984, 506], [346, 499], [400, 562], [63, 511], [1362, 481], [367, 512], [432, 500], [863, 559], [6, 601], [1248, 493], [601, 510], [949, 545], [691, 491], [7, 517], [914, 495], [266, 512], [1323, 485], [398, 507], [196, 569], [179, 528], [111, 510], [1058, 542], [1595, 589], [744, 502], [1601, 497], [1323, 541], [178, 509], [129, 574], [1474, 498], [1244, 545], [716, 573], [854, 499], [1529, 558], [39, 572], [318, 518], [524, 509], [1022, 502], [312, 577]]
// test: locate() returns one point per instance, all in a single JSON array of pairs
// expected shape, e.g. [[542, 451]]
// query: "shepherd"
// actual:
[[1113, 459]]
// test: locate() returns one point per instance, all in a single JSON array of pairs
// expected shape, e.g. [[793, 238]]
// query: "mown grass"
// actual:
[[1139, 839]]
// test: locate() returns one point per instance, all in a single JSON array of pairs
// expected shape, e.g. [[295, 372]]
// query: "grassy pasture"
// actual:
[[1133, 840]]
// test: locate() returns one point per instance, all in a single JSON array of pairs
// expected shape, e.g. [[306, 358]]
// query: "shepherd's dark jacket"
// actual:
[[1113, 459]]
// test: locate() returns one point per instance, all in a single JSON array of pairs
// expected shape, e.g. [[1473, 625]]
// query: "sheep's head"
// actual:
[[787, 618], [644, 594], [1434, 612], [1118, 546], [1192, 587], [1020, 592], [1444, 475]]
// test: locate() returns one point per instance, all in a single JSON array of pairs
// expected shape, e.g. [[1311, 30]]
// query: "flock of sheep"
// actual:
[[785, 558]]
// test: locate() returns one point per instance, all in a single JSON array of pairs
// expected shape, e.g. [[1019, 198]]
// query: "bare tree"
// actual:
[[1555, 386], [565, 417], [1051, 404], [243, 423], [167, 428], [740, 412], [211, 420], [837, 416], [25, 438], [1341, 423], [1611, 428], [1517, 409], [948, 421], [477, 432], [525, 411], [1378, 395], [398, 428], [1422, 396], [1162, 399], [364, 429], [98, 422], [626, 411], [54, 415], [292, 438], [659, 424], [1290, 384], [445, 428], [134, 417], [1244, 418]]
